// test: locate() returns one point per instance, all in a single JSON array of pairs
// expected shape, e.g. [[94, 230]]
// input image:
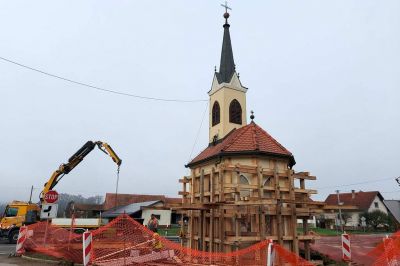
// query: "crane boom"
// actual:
[[74, 160]]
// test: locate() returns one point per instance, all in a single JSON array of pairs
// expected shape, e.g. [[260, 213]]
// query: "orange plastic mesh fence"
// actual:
[[285, 257], [55, 241], [126, 242], [387, 252]]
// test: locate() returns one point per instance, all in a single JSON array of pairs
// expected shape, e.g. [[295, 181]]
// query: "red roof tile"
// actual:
[[126, 199], [362, 200], [247, 139]]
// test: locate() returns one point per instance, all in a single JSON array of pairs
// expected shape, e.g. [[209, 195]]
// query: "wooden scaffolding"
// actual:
[[230, 206]]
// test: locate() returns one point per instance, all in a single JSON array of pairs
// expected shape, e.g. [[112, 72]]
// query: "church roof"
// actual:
[[227, 64], [247, 140]]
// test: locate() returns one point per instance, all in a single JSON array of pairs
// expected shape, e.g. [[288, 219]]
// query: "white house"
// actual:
[[362, 201]]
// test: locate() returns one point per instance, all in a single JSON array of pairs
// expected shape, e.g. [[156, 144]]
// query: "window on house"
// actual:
[[216, 114], [376, 204], [235, 112]]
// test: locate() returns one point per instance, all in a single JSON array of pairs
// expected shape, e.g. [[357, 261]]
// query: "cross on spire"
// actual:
[[226, 6], [226, 15]]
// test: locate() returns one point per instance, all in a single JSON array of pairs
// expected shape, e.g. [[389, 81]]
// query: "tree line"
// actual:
[[64, 199]]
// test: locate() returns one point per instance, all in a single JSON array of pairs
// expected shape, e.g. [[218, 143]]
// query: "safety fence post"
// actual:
[[22, 235], [270, 253], [346, 250], [87, 247]]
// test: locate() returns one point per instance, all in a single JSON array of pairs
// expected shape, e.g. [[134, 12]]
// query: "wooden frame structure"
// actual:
[[226, 213]]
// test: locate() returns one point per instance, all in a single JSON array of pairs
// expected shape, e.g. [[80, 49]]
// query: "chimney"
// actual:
[[353, 194]]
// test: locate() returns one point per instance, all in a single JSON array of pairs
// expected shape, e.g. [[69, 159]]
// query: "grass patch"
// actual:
[[174, 231]]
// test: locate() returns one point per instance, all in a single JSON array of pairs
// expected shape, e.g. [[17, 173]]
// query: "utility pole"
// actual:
[[340, 211], [30, 197]]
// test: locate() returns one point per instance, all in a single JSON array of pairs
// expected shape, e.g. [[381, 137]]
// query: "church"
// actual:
[[242, 187]]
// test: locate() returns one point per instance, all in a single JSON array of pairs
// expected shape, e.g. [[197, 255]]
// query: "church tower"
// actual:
[[227, 94], [241, 189]]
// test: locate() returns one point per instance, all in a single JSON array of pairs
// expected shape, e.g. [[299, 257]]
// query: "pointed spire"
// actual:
[[227, 64]]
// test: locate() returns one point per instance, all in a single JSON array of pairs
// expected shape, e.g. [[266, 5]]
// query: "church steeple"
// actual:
[[227, 64], [227, 94]]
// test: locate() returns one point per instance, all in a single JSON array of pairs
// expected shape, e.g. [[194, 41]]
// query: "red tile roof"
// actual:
[[362, 200], [126, 199], [250, 139]]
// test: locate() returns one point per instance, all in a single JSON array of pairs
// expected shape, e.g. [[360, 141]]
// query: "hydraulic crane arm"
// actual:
[[75, 160]]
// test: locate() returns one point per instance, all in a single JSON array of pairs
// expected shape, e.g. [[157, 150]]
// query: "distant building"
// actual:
[[353, 205], [137, 206], [394, 208], [144, 206]]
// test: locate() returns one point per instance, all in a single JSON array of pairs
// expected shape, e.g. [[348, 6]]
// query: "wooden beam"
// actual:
[[293, 217], [279, 226]]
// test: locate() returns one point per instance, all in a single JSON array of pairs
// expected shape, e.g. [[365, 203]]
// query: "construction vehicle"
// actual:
[[18, 213]]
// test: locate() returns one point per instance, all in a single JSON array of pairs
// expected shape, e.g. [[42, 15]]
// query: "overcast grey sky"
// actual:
[[323, 79]]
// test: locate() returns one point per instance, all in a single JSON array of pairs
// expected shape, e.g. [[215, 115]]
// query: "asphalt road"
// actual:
[[6, 248], [5, 260], [361, 245]]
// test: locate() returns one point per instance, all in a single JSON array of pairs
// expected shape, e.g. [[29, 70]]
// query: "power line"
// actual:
[[198, 132], [393, 191], [99, 88], [353, 184]]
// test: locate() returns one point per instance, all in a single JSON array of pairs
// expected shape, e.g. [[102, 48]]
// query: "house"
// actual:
[[353, 205], [134, 210], [137, 206], [141, 206]]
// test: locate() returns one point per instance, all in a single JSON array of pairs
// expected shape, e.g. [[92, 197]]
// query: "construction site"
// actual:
[[243, 200]]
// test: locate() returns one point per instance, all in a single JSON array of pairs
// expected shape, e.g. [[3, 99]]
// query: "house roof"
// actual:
[[394, 208], [362, 200], [126, 199], [128, 209], [250, 139]]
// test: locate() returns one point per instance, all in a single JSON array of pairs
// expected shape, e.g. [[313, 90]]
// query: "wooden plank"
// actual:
[[278, 207], [307, 252], [248, 169], [306, 191], [211, 236], [294, 212], [343, 207], [190, 230], [268, 172], [184, 180], [305, 177], [202, 186], [221, 230]]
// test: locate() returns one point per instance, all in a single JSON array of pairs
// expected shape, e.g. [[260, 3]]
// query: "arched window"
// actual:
[[235, 112], [216, 113], [244, 181]]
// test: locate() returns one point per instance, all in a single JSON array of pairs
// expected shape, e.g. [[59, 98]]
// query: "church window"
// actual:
[[244, 181], [235, 112], [216, 114]]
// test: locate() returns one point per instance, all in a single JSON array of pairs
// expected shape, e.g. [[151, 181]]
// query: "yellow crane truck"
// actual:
[[18, 213]]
